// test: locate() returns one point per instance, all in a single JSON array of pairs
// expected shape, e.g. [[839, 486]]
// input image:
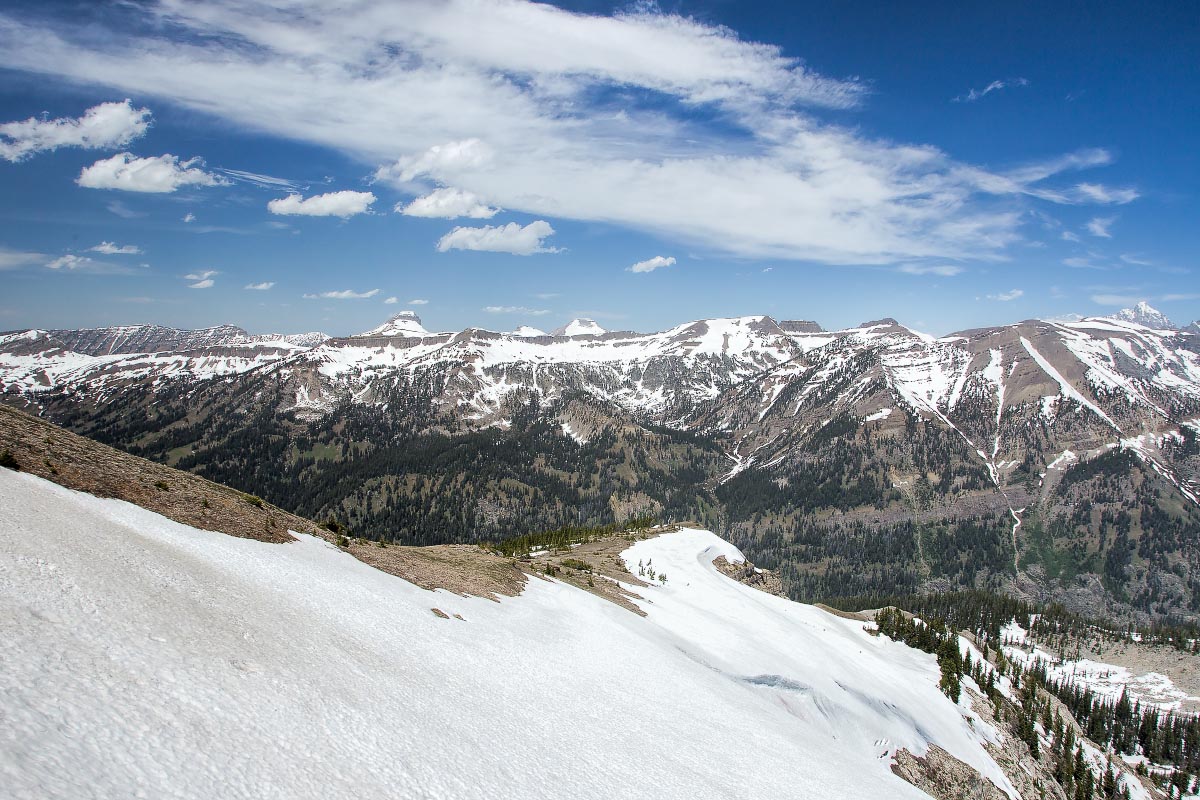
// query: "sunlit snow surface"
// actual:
[[145, 657]]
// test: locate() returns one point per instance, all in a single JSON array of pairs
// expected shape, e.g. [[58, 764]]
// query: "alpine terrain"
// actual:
[[1051, 460]]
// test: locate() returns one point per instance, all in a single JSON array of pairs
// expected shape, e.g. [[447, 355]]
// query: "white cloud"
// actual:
[[1098, 193], [944, 270], [1078, 262], [111, 249], [260, 287], [651, 264], [418, 302], [1137, 261], [510, 238], [995, 86], [15, 259], [203, 279], [189, 217], [1173, 298], [1098, 226], [1068, 236], [532, 312], [391, 301], [526, 104], [447, 204], [105, 125], [345, 294], [70, 262], [342, 204], [1005, 297], [154, 174]]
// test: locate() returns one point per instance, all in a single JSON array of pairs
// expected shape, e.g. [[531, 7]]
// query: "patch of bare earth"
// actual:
[[48, 451]]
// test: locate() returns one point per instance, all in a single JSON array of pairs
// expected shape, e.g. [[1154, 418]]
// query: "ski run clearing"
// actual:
[[146, 658]]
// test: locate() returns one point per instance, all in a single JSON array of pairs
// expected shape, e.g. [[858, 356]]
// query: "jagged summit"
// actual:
[[1145, 315], [527, 331], [406, 323], [580, 327]]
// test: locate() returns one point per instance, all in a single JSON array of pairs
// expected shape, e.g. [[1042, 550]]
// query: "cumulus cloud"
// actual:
[[189, 217], [260, 287], [532, 312], [111, 249], [511, 238], [977, 94], [944, 270], [105, 125], [1099, 226], [651, 264], [527, 106], [447, 204], [1005, 297], [154, 174], [342, 204], [345, 294]]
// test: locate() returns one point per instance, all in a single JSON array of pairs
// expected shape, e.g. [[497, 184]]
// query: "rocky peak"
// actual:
[[1145, 315]]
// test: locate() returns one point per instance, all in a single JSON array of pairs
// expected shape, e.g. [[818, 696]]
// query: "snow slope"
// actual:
[[143, 657]]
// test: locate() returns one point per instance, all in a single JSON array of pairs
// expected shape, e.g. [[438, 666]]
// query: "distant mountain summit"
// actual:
[[406, 323], [580, 327], [1147, 316], [528, 330]]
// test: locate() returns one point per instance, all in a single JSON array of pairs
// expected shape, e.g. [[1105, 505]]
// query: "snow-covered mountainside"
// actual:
[[406, 323], [580, 327], [144, 653], [967, 458], [1143, 314]]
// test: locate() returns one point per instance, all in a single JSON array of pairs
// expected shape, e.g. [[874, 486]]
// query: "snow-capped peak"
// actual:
[[528, 330], [1145, 315], [580, 327], [406, 323]]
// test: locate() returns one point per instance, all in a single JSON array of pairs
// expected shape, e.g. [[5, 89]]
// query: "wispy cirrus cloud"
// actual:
[[102, 126], [260, 287], [531, 312], [978, 94], [344, 294], [942, 270], [1007, 297], [1099, 226], [18, 259], [523, 106]]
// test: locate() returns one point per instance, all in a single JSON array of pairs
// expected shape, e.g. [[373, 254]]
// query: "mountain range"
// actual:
[[1056, 460]]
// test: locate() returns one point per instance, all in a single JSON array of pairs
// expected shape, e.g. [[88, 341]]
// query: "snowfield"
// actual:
[[142, 657]]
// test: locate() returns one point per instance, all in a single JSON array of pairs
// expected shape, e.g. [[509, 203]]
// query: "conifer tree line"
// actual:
[[1169, 740]]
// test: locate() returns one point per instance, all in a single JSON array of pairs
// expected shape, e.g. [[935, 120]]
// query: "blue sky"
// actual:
[[506, 163]]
